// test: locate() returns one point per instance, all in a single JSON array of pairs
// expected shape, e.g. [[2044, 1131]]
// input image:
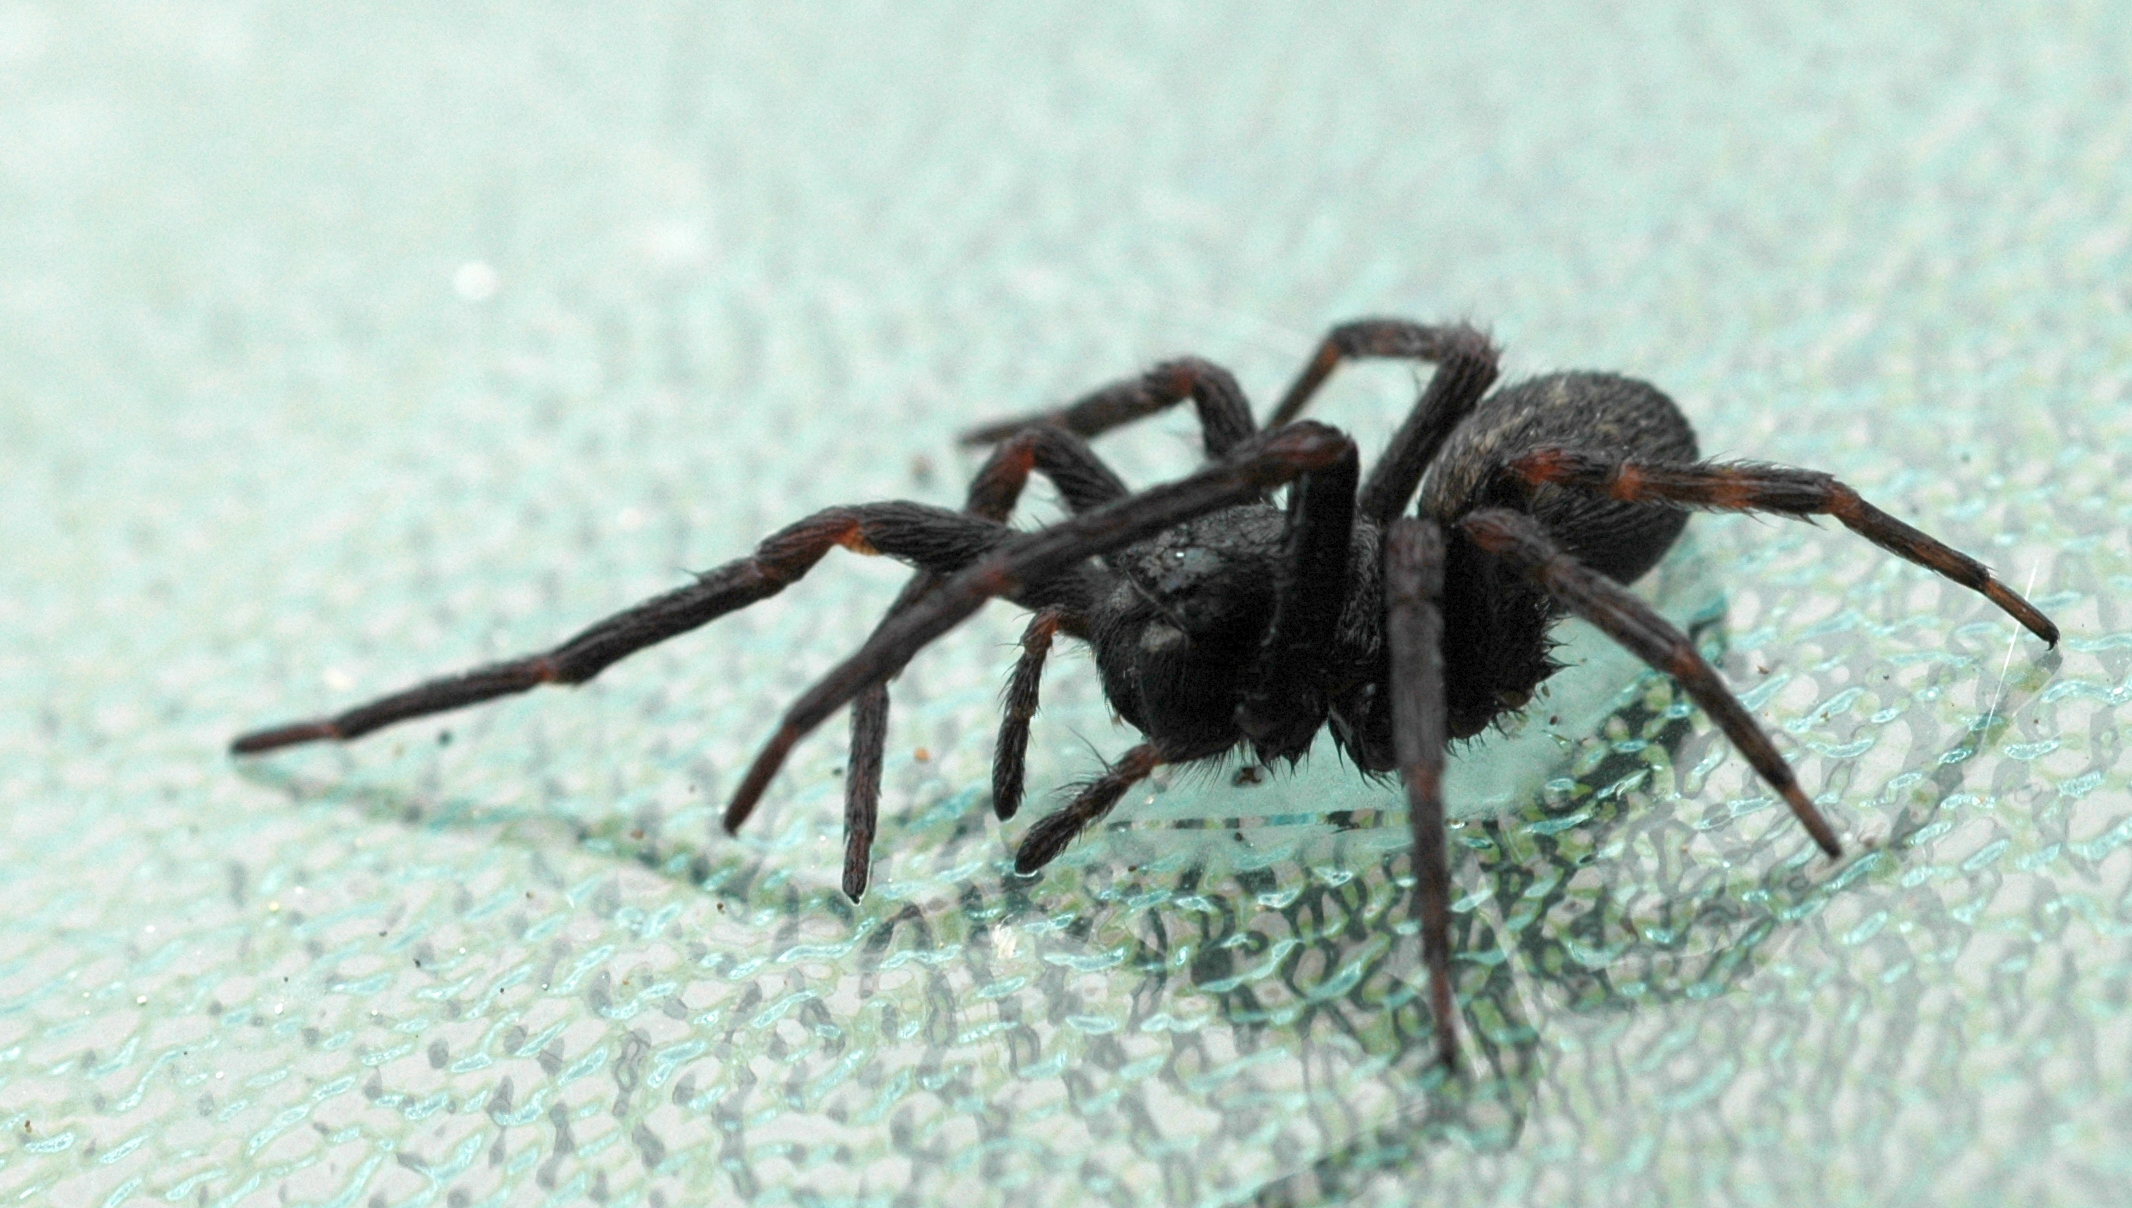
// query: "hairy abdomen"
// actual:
[[1598, 412]]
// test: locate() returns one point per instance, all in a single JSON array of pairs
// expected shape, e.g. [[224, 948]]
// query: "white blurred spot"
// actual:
[[337, 680], [476, 281], [676, 245], [630, 519]]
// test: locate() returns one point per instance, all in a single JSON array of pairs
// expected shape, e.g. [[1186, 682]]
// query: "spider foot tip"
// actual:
[[1033, 855], [260, 741]]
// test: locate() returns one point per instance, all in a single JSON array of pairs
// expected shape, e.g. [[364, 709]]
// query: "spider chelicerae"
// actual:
[[1221, 621]]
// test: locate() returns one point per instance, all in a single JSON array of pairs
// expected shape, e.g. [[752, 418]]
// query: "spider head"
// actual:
[[1181, 625]]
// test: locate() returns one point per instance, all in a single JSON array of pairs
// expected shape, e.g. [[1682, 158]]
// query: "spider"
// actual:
[[1220, 620]]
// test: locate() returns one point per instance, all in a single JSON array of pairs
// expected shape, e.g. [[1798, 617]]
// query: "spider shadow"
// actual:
[[1546, 924], [645, 837]]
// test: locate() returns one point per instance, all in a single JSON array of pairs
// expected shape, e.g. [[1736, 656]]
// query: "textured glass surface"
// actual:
[[342, 344]]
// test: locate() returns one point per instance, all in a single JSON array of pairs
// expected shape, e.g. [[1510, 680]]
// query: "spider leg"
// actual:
[[1465, 367], [1054, 831], [1085, 482], [1038, 570], [1519, 540], [1010, 755], [1224, 416], [1753, 487], [1359, 338], [1283, 709], [1055, 452], [1414, 625], [862, 778], [939, 540], [1281, 713], [869, 746]]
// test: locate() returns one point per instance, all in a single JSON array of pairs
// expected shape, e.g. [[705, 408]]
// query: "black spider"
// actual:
[[1220, 621]]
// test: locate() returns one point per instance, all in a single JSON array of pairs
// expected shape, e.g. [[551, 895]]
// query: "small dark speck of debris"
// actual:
[[444, 738], [922, 470], [1250, 773]]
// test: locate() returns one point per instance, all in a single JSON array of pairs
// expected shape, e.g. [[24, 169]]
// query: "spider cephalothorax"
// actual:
[[1221, 620]]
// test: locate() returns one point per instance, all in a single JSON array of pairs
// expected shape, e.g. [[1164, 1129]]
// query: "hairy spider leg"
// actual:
[[1519, 540], [1010, 755], [862, 767], [1306, 609], [1082, 478], [1359, 339], [1224, 416], [1085, 482], [1282, 710], [1757, 487], [1055, 830], [1044, 569], [1414, 625], [931, 537], [1466, 365]]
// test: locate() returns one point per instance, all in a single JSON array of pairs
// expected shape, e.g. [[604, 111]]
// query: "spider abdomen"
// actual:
[[1495, 619], [1596, 412]]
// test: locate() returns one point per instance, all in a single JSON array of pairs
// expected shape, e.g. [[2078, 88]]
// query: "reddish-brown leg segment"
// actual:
[[1755, 487], [931, 537]]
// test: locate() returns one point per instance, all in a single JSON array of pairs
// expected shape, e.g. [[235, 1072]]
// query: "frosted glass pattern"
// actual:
[[344, 344]]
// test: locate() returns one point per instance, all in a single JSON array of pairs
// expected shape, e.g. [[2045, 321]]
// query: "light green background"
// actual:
[[341, 344]]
